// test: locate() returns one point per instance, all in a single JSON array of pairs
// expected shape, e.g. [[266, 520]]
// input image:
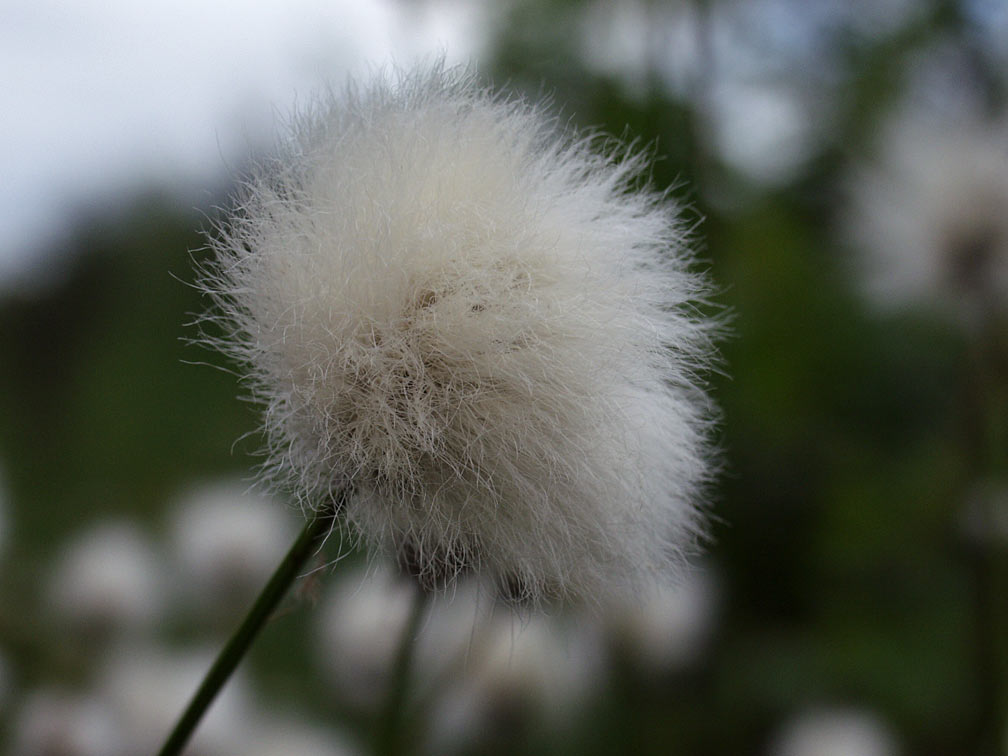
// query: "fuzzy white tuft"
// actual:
[[477, 325], [931, 216]]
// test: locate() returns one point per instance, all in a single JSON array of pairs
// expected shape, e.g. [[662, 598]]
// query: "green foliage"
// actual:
[[101, 412]]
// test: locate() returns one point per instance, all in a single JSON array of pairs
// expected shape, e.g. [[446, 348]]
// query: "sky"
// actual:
[[104, 97], [101, 100]]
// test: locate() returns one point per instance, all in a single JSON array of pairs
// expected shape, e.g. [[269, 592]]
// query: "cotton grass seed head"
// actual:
[[473, 323], [226, 541], [931, 216], [107, 582], [835, 732]]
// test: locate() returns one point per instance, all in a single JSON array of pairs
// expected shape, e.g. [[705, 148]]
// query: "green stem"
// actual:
[[389, 734], [306, 544]]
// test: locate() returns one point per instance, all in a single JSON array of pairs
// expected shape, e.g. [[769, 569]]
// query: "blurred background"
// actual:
[[846, 164]]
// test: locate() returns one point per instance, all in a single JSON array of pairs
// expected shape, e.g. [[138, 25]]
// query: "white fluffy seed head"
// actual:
[[359, 631], [57, 721], [930, 216], [107, 581], [477, 326], [226, 542], [292, 737], [145, 687], [671, 630]]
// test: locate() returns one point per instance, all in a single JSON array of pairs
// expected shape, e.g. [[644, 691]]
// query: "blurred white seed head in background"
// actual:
[[147, 688], [670, 630], [108, 580], [482, 327], [930, 215], [521, 674], [227, 541], [55, 721], [360, 626], [291, 737], [555, 664], [835, 732], [451, 633], [984, 516]]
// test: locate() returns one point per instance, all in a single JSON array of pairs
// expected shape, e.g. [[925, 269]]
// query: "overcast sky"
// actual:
[[101, 96]]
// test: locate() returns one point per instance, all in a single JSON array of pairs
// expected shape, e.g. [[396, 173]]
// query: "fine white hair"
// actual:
[[481, 327]]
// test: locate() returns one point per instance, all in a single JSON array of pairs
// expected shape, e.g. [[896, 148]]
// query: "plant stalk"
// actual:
[[307, 544]]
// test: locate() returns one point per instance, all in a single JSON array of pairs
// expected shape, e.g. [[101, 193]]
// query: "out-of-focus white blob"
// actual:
[[292, 737], [540, 659], [56, 722], [765, 131], [227, 542], [450, 632], [361, 622], [147, 689], [521, 675], [930, 216], [835, 732], [670, 630], [637, 40], [108, 581], [984, 517]]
